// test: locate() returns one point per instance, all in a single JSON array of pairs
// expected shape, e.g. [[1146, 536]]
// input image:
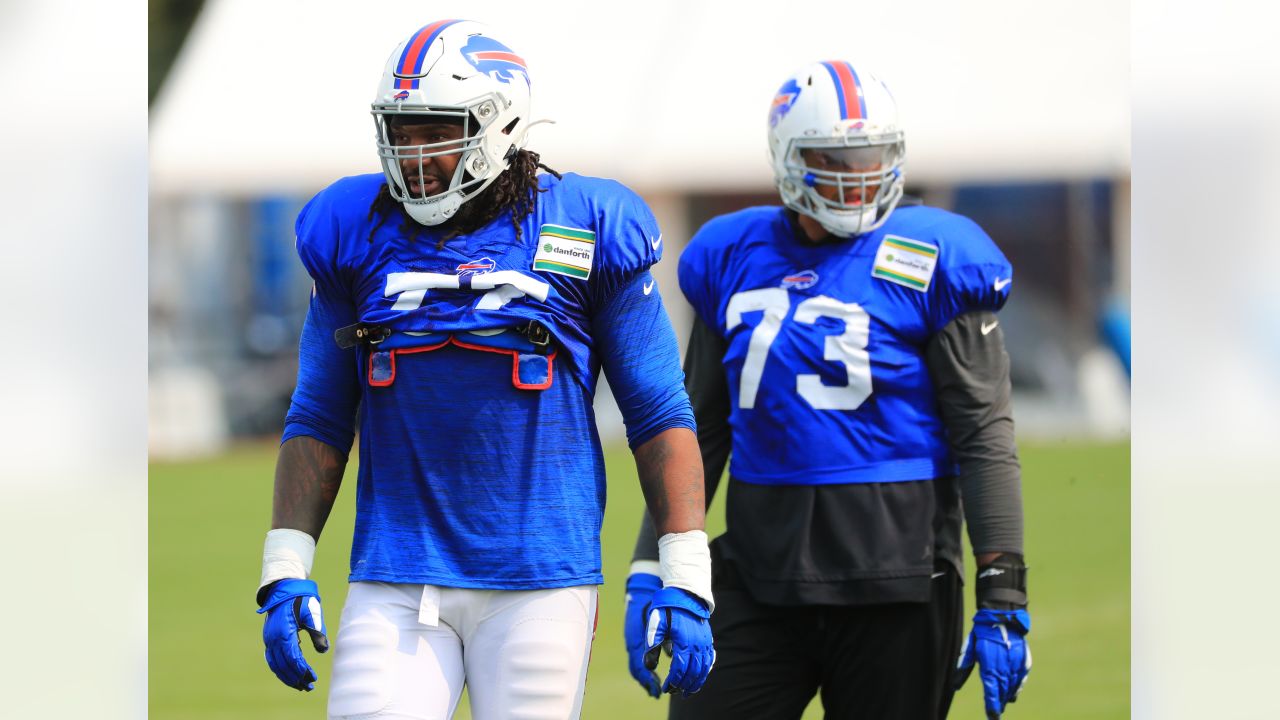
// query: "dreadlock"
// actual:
[[515, 189]]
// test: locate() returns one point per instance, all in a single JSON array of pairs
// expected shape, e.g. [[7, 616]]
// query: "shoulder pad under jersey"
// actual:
[[971, 272], [626, 234], [329, 225]]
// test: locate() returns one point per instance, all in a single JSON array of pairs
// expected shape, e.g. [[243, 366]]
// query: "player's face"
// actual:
[[846, 160], [427, 175]]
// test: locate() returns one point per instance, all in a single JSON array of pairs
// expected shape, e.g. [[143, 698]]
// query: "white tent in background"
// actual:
[[668, 95], [271, 97]]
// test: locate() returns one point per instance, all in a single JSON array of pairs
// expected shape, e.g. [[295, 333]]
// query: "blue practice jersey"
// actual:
[[480, 465], [828, 340]]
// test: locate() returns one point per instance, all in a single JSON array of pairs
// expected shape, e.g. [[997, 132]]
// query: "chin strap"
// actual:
[[434, 213]]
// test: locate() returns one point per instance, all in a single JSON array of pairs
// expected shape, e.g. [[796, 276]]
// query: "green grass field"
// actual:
[[208, 518]]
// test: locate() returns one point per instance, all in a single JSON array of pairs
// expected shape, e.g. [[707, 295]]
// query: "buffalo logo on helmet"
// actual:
[[475, 267], [783, 101], [402, 95], [801, 280], [494, 59]]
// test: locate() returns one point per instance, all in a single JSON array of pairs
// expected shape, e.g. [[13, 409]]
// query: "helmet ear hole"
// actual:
[[510, 126]]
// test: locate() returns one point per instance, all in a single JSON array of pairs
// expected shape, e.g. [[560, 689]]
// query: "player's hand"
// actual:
[[640, 589], [292, 606], [998, 646], [681, 623]]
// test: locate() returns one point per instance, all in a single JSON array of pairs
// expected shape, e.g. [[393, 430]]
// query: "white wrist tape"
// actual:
[[287, 554], [650, 567], [684, 561]]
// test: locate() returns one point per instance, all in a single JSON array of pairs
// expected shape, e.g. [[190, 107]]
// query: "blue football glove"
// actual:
[[997, 645], [640, 589], [680, 623], [292, 606]]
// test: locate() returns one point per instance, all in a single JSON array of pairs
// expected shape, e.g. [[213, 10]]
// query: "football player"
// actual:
[[466, 303], [847, 361]]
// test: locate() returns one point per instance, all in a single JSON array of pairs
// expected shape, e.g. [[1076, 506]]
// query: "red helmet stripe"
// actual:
[[848, 90], [415, 51]]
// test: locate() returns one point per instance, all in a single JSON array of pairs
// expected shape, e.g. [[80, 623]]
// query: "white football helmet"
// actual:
[[454, 69], [834, 129]]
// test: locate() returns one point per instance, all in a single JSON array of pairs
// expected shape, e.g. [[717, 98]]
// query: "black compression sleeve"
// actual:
[[970, 371], [708, 390]]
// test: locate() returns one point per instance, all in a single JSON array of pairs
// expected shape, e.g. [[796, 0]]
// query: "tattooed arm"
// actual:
[[670, 605], [641, 360], [308, 476], [670, 470], [320, 425], [670, 602], [318, 434]]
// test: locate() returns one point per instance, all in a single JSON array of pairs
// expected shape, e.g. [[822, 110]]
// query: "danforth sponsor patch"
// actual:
[[565, 250], [905, 262]]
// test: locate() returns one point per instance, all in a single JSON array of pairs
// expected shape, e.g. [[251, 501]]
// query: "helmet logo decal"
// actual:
[[801, 280], [848, 89], [402, 95], [783, 101], [415, 51], [494, 59], [476, 267]]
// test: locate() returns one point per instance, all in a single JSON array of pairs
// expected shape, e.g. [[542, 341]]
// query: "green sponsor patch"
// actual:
[[909, 263], [567, 232], [886, 274], [565, 251], [555, 267], [911, 246]]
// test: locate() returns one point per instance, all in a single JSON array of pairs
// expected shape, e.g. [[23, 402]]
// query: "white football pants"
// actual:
[[405, 652]]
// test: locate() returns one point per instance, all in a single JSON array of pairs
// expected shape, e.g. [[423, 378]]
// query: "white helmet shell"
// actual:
[[453, 69], [835, 112]]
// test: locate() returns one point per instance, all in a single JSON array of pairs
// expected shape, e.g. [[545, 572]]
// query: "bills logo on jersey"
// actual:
[[801, 280], [476, 267], [783, 101], [494, 59]]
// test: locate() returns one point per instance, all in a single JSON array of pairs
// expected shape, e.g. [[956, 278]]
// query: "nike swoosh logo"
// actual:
[[656, 243], [648, 287], [988, 328], [936, 575], [1001, 284]]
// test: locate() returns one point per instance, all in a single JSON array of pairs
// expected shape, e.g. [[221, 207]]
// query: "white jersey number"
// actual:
[[848, 348], [503, 286]]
